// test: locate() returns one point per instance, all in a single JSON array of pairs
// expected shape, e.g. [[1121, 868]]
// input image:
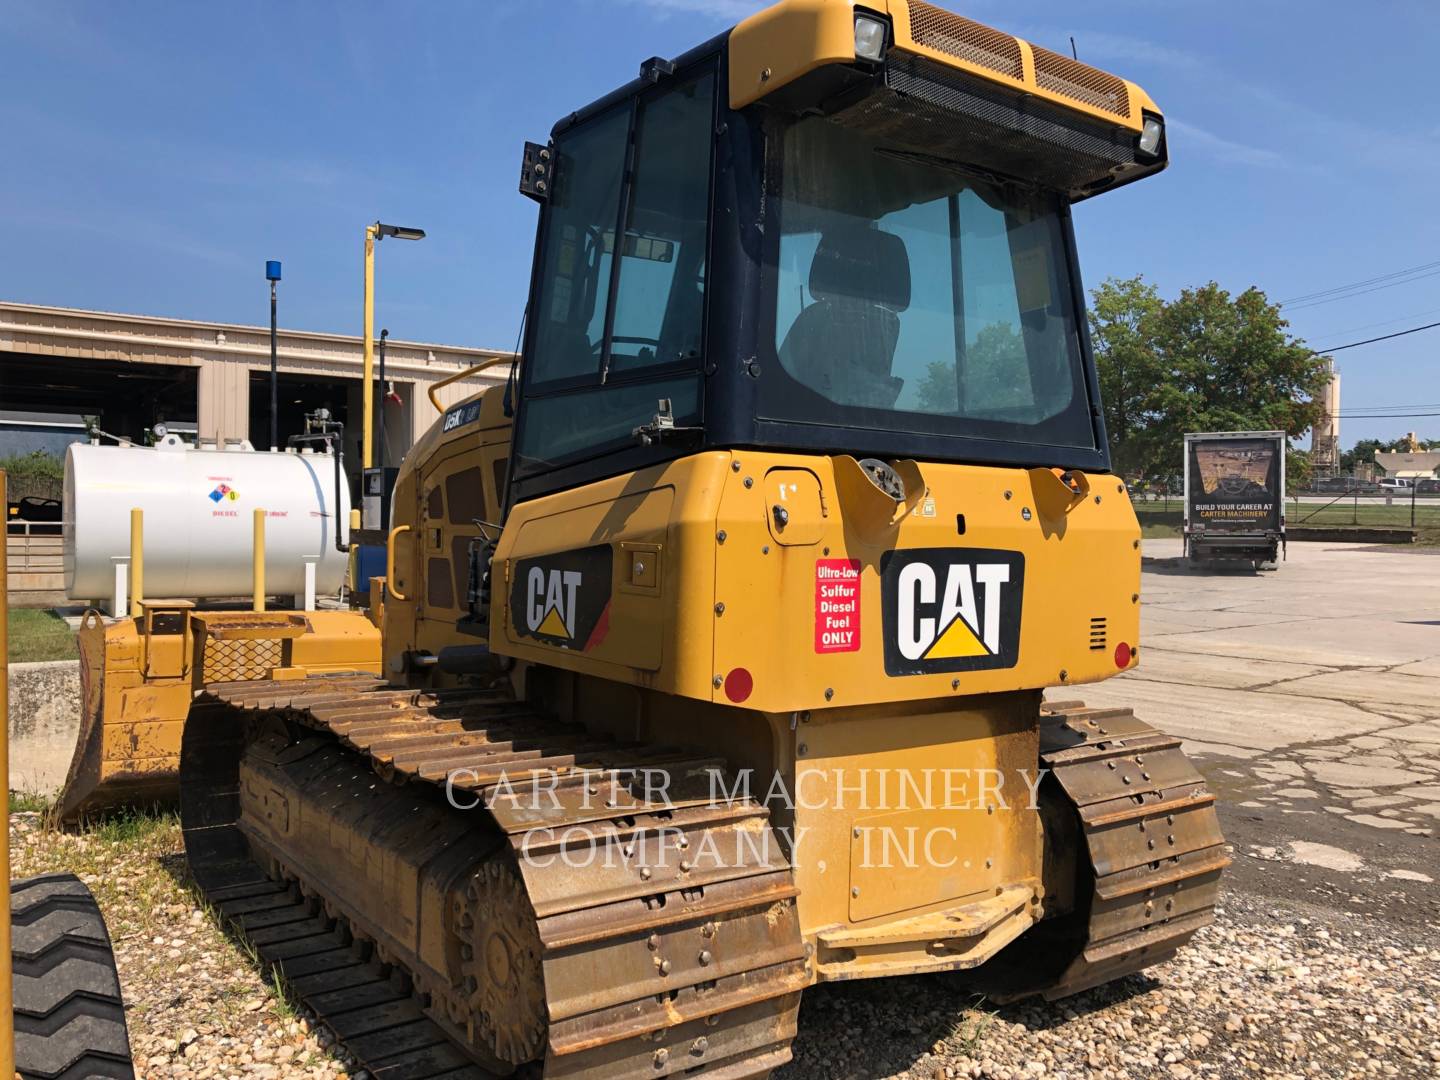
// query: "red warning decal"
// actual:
[[837, 605]]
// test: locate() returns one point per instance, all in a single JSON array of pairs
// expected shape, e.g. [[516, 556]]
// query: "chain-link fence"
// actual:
[[1406, 508]]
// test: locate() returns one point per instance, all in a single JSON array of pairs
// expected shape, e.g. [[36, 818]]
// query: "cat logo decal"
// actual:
[[951, 609], [563, 599]]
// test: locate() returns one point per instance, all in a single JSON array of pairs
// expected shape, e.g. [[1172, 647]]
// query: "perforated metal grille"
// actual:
[[1080, 82], [1097, 633], [929, 108], [945, 32], [240, 660]]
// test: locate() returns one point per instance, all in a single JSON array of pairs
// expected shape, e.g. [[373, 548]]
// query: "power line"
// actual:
[[1382, 322], [1391, 408], [1386, 416], [1359, 292], [1358, 284], [1307, 299], [1371, 341]]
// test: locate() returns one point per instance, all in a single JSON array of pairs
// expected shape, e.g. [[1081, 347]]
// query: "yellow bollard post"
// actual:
[[137, 560], [257, 565], [7, 988]]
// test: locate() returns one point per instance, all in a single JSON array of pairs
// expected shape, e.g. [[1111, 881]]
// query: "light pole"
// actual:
[[272, 275], [380, 419], [373, 234]]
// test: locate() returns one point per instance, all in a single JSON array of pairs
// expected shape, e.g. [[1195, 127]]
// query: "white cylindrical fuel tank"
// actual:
[[199, 519]]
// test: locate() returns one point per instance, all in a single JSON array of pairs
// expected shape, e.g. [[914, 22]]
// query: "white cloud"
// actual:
[[1095, 47], [1116, 52], [1183, 136]]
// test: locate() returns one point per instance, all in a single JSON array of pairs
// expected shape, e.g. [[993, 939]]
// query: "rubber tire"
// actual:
[[69, 1016]]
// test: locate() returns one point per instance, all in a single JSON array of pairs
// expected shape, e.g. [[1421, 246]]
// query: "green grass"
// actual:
[[1158, 524], [1348, 513], [129, 827], [965, 1035], [27, 802], [39, 635]]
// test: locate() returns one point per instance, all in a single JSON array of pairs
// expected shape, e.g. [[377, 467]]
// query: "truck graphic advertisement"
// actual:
[[1235, 495]]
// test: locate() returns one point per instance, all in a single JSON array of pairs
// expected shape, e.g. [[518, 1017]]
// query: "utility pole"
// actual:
[[272, 275], [380, 414], [373, 235]]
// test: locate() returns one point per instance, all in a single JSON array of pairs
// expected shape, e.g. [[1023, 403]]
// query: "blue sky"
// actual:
[[156, 154]]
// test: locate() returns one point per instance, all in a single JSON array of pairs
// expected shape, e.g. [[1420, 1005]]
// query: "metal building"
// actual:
[[64, 371], [130, 372]]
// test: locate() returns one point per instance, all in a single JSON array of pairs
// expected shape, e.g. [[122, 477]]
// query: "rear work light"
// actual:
[[1150, 136], [870, 34]]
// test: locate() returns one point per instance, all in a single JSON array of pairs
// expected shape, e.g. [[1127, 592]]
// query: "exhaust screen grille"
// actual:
[[1080, 82], [938, 29], [925, 107]]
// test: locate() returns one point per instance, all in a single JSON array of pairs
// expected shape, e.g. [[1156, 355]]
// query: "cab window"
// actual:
[[620, 325]]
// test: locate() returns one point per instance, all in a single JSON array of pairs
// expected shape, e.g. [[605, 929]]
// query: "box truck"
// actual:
[[1235, 496]]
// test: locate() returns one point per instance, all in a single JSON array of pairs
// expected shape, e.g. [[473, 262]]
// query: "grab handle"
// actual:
[[473, 369], [390, 561]]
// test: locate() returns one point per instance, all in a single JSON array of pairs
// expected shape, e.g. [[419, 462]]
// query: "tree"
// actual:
[[995, 365], [1205, 361], [39, 473], [1122, 313], [1364, 450], [1298, 468]]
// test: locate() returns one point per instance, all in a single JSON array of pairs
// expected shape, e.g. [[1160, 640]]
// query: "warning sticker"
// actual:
[[837, 605]]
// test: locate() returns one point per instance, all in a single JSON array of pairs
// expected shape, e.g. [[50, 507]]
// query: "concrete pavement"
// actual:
[[1310, 691]]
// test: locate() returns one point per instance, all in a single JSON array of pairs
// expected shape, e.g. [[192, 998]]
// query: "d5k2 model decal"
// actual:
[[563, 599], [951, 609]]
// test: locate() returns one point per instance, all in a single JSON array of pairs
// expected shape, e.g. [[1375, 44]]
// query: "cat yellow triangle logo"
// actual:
[[554, 625], [957, 640]]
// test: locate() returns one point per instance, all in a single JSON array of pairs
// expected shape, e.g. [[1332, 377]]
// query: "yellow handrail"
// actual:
[[473, 369], [390, 562]]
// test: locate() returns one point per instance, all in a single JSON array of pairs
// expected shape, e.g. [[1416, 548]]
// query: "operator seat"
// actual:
[[843, 345]]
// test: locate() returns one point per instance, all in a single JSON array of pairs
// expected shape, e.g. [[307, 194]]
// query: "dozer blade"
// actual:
[[136, 689], [132, 758]]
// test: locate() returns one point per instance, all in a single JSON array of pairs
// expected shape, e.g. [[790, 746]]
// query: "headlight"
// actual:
[[1150, 134], [869, 37]]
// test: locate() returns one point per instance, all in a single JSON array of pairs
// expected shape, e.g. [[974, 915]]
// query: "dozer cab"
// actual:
[[716, 641]]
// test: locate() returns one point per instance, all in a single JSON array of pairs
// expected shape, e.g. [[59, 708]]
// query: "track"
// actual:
[[467, 936], [1152, 835], [573, 916]]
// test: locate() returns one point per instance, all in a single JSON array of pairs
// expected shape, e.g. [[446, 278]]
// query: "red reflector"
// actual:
[[738, 685], [1122, 655]]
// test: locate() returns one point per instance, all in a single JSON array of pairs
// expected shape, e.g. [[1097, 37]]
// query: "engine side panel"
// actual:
[[783, 582]]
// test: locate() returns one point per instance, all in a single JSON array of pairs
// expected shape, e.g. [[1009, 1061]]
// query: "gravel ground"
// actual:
[[1275, 989], [197, 1002], [1263, 993]]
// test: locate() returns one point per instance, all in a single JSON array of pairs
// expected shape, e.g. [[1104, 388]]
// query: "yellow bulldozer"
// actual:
[[715, 643], [140, 673]]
